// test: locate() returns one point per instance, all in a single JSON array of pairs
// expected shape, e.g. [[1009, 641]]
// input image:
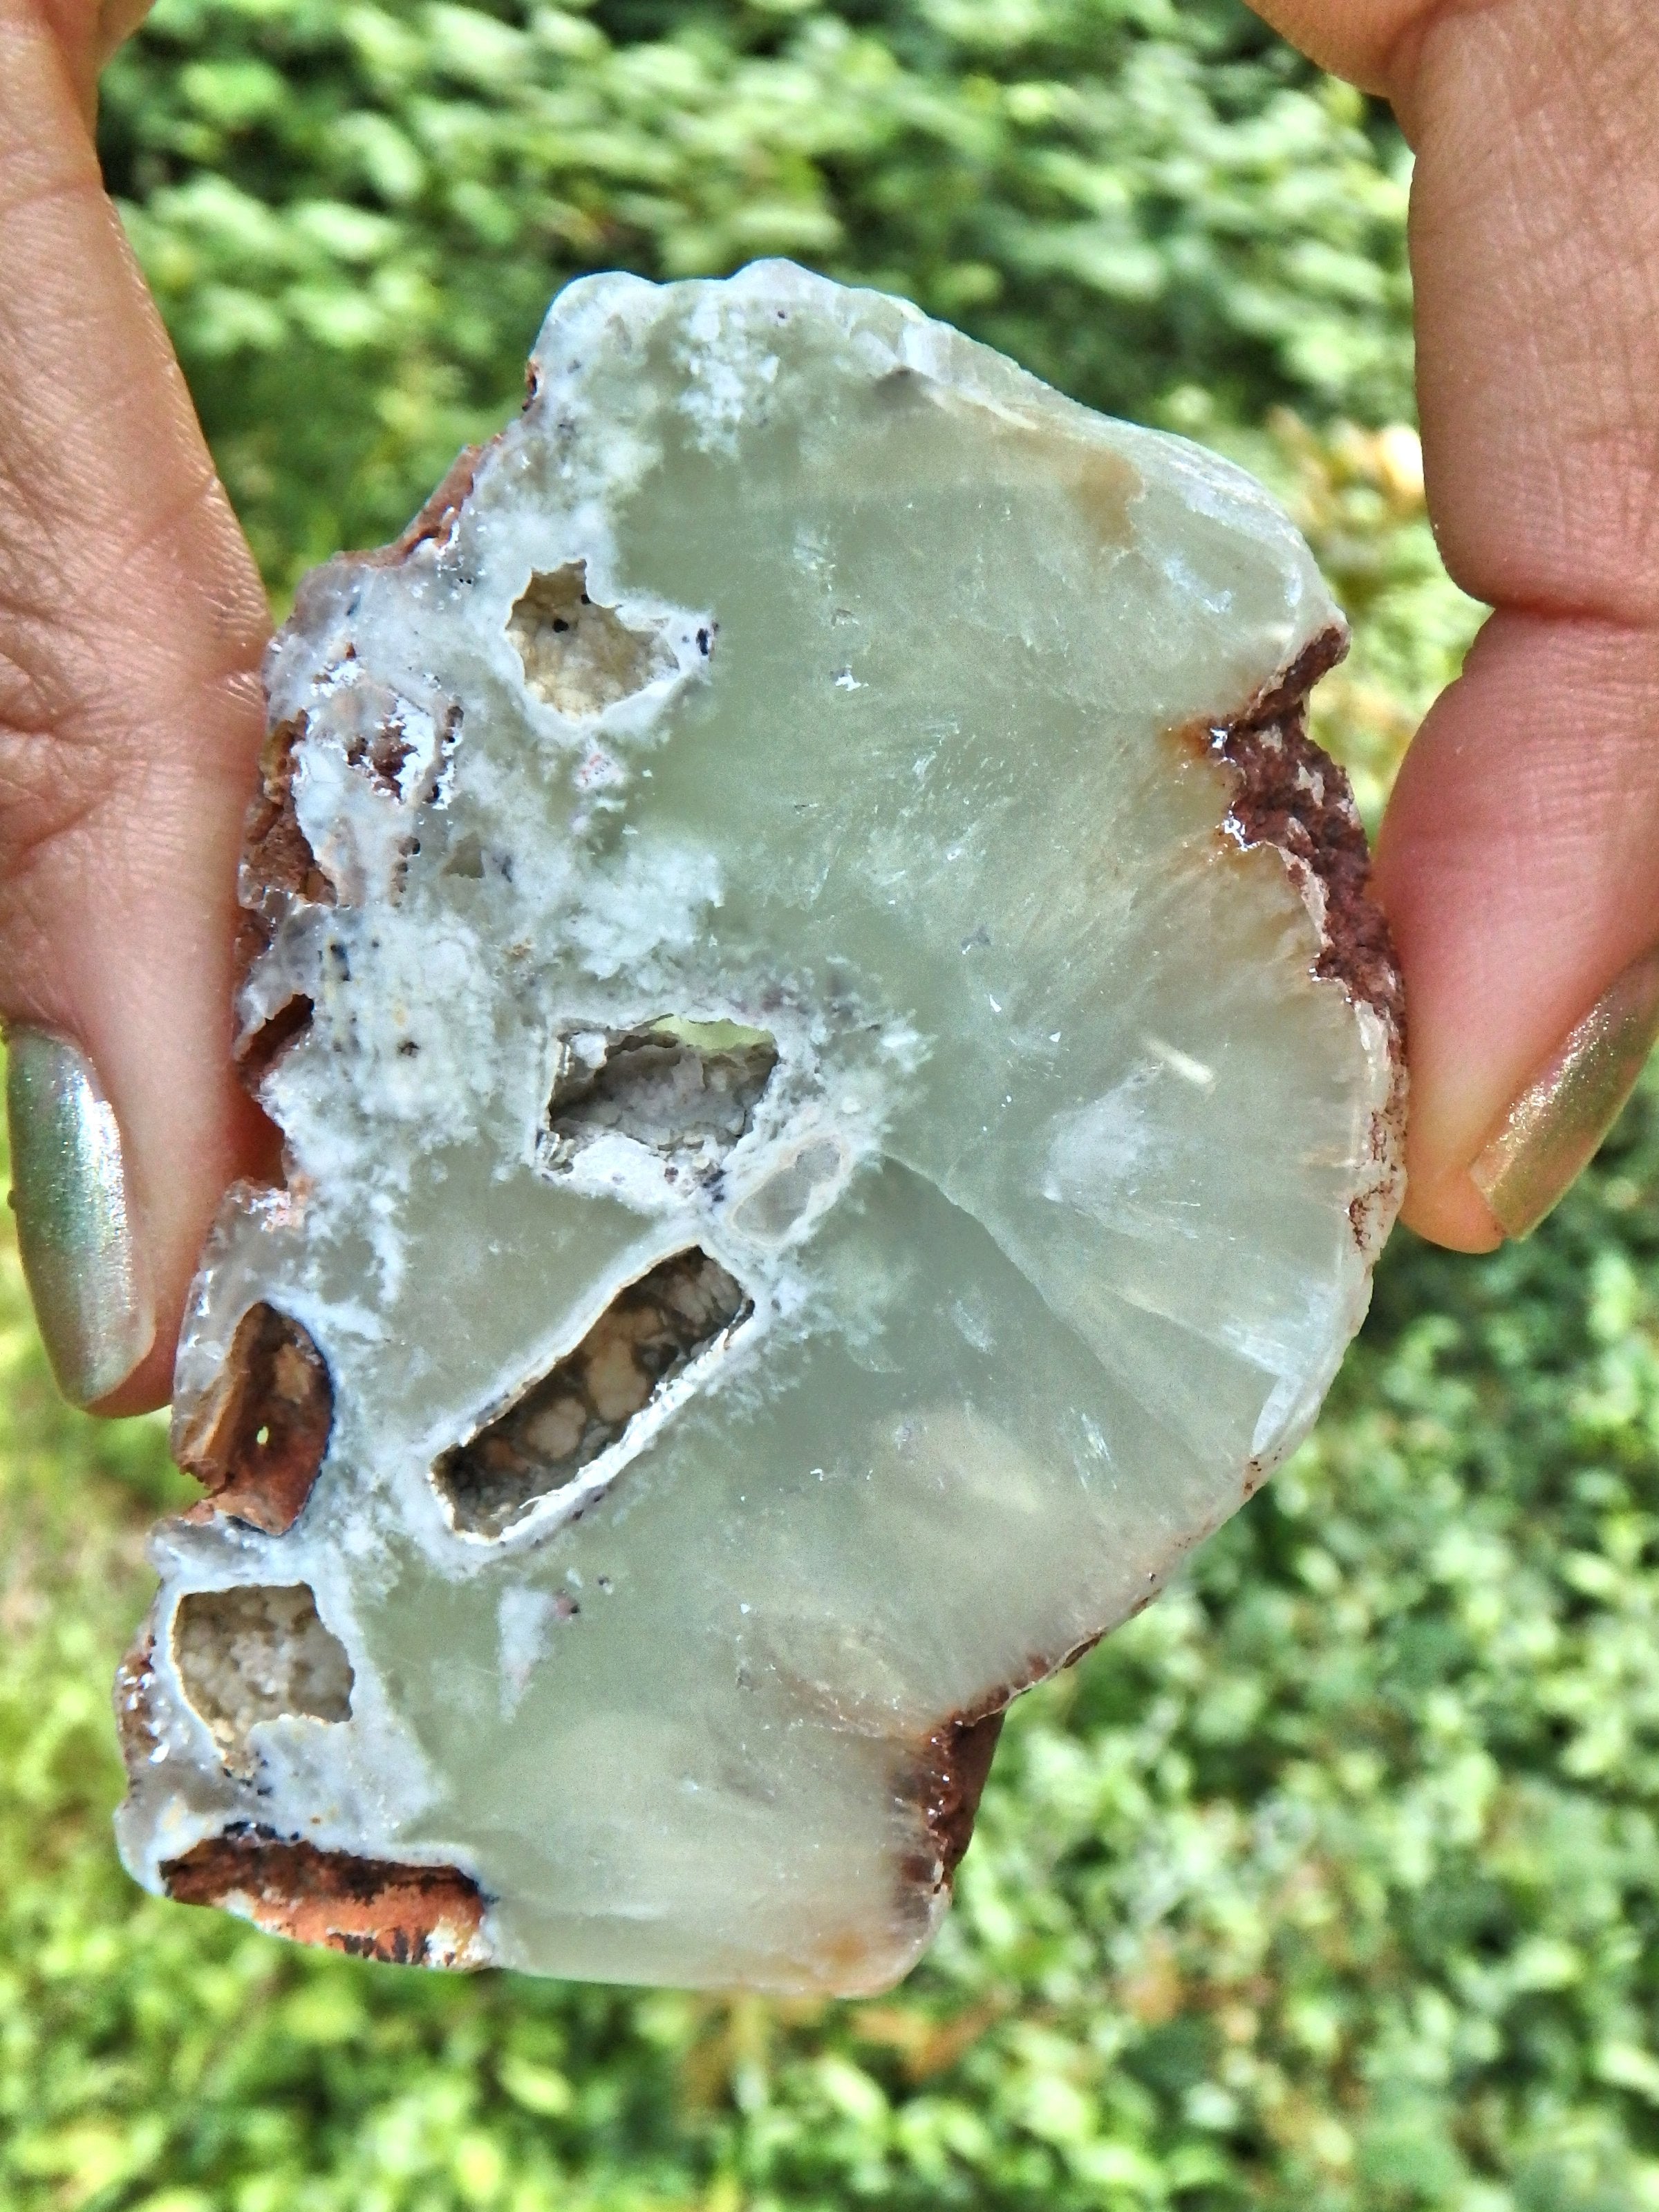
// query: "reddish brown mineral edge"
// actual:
[[258, 1440], [404, 1915], [1291, 795]]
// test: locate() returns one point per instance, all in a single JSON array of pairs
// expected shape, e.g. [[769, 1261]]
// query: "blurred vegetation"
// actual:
[[1332, 1883], [355, 211]]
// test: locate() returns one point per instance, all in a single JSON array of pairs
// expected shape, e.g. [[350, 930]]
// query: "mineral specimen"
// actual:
[[840, 1090]]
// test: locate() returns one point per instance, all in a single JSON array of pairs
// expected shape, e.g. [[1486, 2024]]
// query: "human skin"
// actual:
[[1515, 860], [1517, 857]]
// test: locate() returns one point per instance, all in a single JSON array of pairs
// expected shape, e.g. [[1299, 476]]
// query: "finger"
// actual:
[[1515, 864], [1369, 42], [131, 623], [1517, 867], [1514, 860], [88, 33]]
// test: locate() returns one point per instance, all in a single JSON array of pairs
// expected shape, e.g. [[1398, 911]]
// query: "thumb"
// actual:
[[131, 624]]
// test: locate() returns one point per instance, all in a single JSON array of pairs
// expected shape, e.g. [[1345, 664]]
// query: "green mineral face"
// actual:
[[840, 1091]]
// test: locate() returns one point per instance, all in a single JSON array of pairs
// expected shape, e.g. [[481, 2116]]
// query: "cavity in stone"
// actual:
[[678, 1086], [254, 1653], [579, 656], [647, 1335], [259, 1436]]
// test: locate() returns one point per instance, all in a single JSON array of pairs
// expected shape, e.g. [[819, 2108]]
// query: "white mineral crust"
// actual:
[[840, 1092]]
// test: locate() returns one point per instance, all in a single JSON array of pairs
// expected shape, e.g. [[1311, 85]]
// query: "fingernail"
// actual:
[[1551, 1132], [69, 1191]]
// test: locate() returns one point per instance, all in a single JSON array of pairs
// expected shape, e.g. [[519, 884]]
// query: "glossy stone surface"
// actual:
[[840, 1090]]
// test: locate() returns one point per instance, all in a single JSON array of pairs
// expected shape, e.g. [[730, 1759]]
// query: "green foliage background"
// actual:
[[1333, 1882]]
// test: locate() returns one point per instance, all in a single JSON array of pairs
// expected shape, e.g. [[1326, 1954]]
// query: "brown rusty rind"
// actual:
[[135, 1693], [279, 869], [946, 1777], [434, 524], [1288, 793], [1292, 794], [950, 1780], [403, 1914], [258, 1439]]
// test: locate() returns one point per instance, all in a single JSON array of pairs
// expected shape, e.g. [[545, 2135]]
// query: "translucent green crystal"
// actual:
[[821, 1156]]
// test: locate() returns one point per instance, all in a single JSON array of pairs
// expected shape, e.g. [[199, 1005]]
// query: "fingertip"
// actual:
[[148, 1387], [249, 1150], [1448, 1210], [1514, 866]]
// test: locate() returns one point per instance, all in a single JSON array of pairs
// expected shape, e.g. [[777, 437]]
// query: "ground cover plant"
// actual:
[[1330, 1885]]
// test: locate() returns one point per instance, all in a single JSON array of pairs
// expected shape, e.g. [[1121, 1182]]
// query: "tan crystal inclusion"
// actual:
[[839, 1092]]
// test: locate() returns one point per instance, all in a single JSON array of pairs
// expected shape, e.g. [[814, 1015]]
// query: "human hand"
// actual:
[[1517, 861], [131, 624]]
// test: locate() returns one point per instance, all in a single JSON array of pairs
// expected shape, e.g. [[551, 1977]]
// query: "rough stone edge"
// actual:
[[399, 1913], [1291, 794], [951, 1777], [134, 1691], [402, 1914], [946, 1770], [277, 870], [435, 523]]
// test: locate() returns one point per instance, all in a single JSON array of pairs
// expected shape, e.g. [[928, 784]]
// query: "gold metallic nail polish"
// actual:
[[69, 1191], [1551, 1133]]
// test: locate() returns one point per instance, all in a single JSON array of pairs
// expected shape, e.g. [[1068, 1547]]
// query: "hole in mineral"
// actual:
[[678, 1086], [647, 1335], [579, 656], [253, 1653], [259, 1437]]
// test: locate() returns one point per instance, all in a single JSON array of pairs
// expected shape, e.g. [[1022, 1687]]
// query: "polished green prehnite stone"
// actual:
[[838, 1113]]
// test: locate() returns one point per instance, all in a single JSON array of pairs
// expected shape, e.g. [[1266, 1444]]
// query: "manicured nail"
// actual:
[[69, 1191], [1551, 1132]]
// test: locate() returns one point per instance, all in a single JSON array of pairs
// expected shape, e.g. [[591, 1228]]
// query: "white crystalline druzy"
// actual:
[[840, 1092]]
